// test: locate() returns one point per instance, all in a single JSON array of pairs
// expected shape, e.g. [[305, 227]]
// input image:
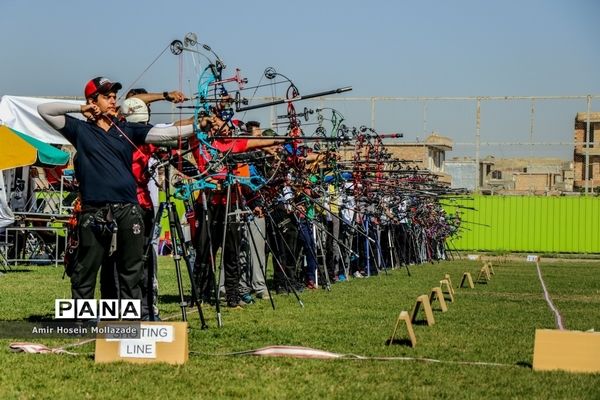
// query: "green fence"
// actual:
[[519, 223], [527, 224]]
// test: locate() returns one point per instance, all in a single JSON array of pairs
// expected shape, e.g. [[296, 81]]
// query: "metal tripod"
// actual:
[[180, 250]]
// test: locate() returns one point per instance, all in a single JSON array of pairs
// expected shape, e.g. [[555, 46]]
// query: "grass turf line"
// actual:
[[495, 323]]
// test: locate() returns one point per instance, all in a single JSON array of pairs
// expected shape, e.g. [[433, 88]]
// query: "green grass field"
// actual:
[[493, 323]]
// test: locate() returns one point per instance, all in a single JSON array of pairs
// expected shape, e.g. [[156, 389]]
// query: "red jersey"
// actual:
[[139, 166], [54, 175], [224, 145]]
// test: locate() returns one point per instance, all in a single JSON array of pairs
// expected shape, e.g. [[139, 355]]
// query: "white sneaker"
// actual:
[[263, 295], [357, 274]]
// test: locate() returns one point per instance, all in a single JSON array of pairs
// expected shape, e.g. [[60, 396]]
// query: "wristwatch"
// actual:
[[166, 96]]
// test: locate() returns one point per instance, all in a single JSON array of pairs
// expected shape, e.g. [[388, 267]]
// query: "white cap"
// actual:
[[135, 110]]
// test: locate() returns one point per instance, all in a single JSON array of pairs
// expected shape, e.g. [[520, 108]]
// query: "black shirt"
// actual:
[[103, 163]]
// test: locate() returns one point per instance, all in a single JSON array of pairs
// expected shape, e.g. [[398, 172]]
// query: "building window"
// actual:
[[436, 160], [496, 174]]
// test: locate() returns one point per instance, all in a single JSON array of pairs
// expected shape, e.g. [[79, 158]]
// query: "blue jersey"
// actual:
[[103, 160], [290, 149]]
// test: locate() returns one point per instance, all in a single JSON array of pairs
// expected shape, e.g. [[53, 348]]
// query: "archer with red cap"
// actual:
[[110, 226]]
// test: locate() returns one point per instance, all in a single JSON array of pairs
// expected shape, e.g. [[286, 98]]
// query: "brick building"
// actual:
[[581, 149], [513, 175], [428, 155]]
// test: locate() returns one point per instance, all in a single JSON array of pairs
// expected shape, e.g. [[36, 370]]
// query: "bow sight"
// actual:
[[190, 40], [305, 114]]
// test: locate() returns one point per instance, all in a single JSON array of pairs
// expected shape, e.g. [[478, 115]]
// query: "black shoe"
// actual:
[[235, 302], [299, 287], [208, 298], [281, 290]]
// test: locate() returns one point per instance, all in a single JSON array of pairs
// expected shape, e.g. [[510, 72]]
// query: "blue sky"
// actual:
[[380, 48]]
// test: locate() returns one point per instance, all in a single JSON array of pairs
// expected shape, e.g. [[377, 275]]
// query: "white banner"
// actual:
[[20, 113]]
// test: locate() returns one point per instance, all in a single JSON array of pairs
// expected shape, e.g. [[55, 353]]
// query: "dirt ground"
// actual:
[[544, 258]]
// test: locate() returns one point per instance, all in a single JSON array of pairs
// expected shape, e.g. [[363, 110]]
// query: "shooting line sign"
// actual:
[[157, 342]]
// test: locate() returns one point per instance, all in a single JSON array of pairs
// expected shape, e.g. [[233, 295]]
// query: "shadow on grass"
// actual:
[[400, 342], [525, 364], [15, 271], [172, 298], [420, 322], [40, 318]]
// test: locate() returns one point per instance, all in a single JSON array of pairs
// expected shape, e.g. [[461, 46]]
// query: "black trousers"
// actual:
[[95, 237], [283, 239], [109, 280], [211, 224]]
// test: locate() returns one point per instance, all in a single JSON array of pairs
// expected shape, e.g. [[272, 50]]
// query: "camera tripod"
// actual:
[[180, 251]]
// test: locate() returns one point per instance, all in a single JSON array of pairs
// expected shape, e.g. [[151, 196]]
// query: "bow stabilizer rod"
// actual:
[[294, 99]]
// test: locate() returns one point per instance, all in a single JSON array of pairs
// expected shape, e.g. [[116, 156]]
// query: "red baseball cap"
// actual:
[[101, 85]]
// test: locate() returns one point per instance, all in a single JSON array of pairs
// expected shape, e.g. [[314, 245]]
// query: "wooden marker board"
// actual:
[[572, 351], [159, 342]]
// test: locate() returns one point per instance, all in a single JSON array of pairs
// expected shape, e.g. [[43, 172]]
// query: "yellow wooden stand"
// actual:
[[436, 294], [423, 300], [447, 277], [409, 328], [447, 289], [572, 351], [490, 268], [467, 278], [484, 275]]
